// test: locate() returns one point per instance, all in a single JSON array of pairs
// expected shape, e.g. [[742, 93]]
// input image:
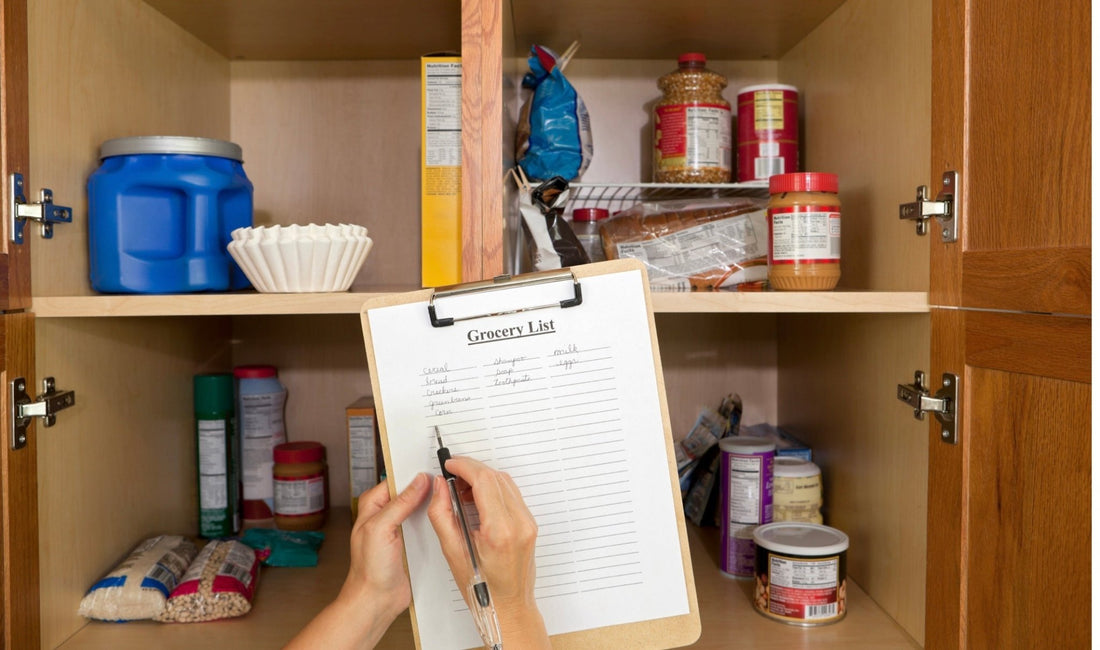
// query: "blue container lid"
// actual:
[[170, 144]]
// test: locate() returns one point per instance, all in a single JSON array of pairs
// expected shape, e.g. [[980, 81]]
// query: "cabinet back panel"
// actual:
[[706, 357], [336, 142], [102, 70], [119, 466], [865, 81]]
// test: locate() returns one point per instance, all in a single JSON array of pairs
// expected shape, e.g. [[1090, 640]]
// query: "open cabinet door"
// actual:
[[19, 606], [1009, 562]]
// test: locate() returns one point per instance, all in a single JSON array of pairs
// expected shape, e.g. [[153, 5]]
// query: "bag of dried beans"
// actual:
[[220, 583]]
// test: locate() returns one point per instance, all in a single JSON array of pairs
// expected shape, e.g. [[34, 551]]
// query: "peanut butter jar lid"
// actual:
[[789, 466], [299, 452], [803, 182], [796, 538]]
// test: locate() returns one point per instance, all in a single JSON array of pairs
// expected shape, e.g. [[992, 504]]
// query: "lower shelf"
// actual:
[[288, 598]]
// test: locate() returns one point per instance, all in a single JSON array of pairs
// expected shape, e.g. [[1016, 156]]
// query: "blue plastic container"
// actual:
[[160, 213]]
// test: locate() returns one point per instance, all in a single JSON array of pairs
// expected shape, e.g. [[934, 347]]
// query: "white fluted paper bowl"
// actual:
[[300, 259]]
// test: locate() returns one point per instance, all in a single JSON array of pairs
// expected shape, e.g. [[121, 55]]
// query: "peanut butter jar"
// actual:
[[803, 232], [300, 474]]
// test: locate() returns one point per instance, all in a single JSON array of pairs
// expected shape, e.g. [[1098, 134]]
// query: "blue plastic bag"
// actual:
[[554, 135]]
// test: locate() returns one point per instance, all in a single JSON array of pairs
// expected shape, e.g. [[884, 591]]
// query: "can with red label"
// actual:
[[801, 573], [767, 131]]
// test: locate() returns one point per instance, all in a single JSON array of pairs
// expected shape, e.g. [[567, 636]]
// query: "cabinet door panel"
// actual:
[[1008, 527], [15, 265], [18, 496]]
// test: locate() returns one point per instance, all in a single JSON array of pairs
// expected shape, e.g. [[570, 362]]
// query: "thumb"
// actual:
[[400, 507]]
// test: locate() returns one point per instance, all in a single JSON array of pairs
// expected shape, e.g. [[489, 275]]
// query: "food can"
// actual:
[[767, 131], [746, 499], [796, 490], [801, 573]]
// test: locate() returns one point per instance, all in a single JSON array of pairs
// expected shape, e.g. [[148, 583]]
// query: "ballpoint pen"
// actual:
[[485, 616]]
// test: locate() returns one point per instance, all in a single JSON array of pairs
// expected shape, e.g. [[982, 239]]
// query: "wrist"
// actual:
[[520, 623], [364, 606]]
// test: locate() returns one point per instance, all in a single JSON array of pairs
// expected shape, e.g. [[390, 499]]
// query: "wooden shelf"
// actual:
[[257, 304], [288, 598], [610, 29]]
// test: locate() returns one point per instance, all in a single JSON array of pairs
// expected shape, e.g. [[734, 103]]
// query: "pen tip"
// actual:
[[438, 438]]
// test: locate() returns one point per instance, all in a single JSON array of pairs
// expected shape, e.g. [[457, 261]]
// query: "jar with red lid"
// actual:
[[803, 232], [300, 473], [586, 226]]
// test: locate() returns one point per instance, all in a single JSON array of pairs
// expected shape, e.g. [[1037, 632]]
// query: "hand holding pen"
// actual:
[[504, 547]]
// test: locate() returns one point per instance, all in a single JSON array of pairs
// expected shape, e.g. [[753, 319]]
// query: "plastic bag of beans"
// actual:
[[220, 583], [138, 587]]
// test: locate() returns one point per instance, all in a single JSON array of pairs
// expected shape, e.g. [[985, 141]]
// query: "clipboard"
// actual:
[[490, 318]]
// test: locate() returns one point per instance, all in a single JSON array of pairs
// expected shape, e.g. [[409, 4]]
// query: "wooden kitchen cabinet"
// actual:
[[324, 100]]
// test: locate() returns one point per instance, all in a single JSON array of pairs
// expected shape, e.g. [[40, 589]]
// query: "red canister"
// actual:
[[767, 131]]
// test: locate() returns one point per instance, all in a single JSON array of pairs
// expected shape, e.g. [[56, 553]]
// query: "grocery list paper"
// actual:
[[566, 401]]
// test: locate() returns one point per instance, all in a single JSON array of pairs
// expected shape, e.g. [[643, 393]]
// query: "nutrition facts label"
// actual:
[[803, 235], [443, 114]]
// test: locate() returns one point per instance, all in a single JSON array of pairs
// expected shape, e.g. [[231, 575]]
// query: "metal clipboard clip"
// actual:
[[505, 282]]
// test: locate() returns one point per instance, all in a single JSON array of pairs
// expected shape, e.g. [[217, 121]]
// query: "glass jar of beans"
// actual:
[[692, 125]]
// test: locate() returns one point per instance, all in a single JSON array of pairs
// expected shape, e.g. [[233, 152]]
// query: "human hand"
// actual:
[[505, 541], [377, 567], [377, 588]]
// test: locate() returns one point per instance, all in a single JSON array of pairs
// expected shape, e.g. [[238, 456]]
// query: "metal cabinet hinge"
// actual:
[[943, 208], [45, 212], [944, 404], [44, 406]]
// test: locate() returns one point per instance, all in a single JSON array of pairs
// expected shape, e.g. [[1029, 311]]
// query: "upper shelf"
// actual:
[[291, 30], [248, 303], [607, 29]]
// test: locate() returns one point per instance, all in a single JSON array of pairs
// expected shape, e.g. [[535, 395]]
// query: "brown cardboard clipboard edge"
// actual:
[[668, 632]]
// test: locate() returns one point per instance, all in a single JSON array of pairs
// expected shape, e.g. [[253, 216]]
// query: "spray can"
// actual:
[[215, 448]]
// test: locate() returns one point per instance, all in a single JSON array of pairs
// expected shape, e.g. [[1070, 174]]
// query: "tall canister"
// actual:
[[746, 499], [160, 213], [261, 403], [215, 442], [767, 131]]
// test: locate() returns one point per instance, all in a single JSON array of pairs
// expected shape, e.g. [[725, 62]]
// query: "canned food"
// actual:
[[746, 499], [801, 573]]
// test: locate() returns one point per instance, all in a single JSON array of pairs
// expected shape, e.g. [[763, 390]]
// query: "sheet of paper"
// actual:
[[566, 401]]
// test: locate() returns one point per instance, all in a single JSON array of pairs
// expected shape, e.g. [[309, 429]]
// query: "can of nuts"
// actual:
[[746, 499], [801, 573], [767, 131]]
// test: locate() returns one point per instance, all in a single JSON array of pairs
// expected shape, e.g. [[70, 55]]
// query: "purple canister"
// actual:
[[746, 499]]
